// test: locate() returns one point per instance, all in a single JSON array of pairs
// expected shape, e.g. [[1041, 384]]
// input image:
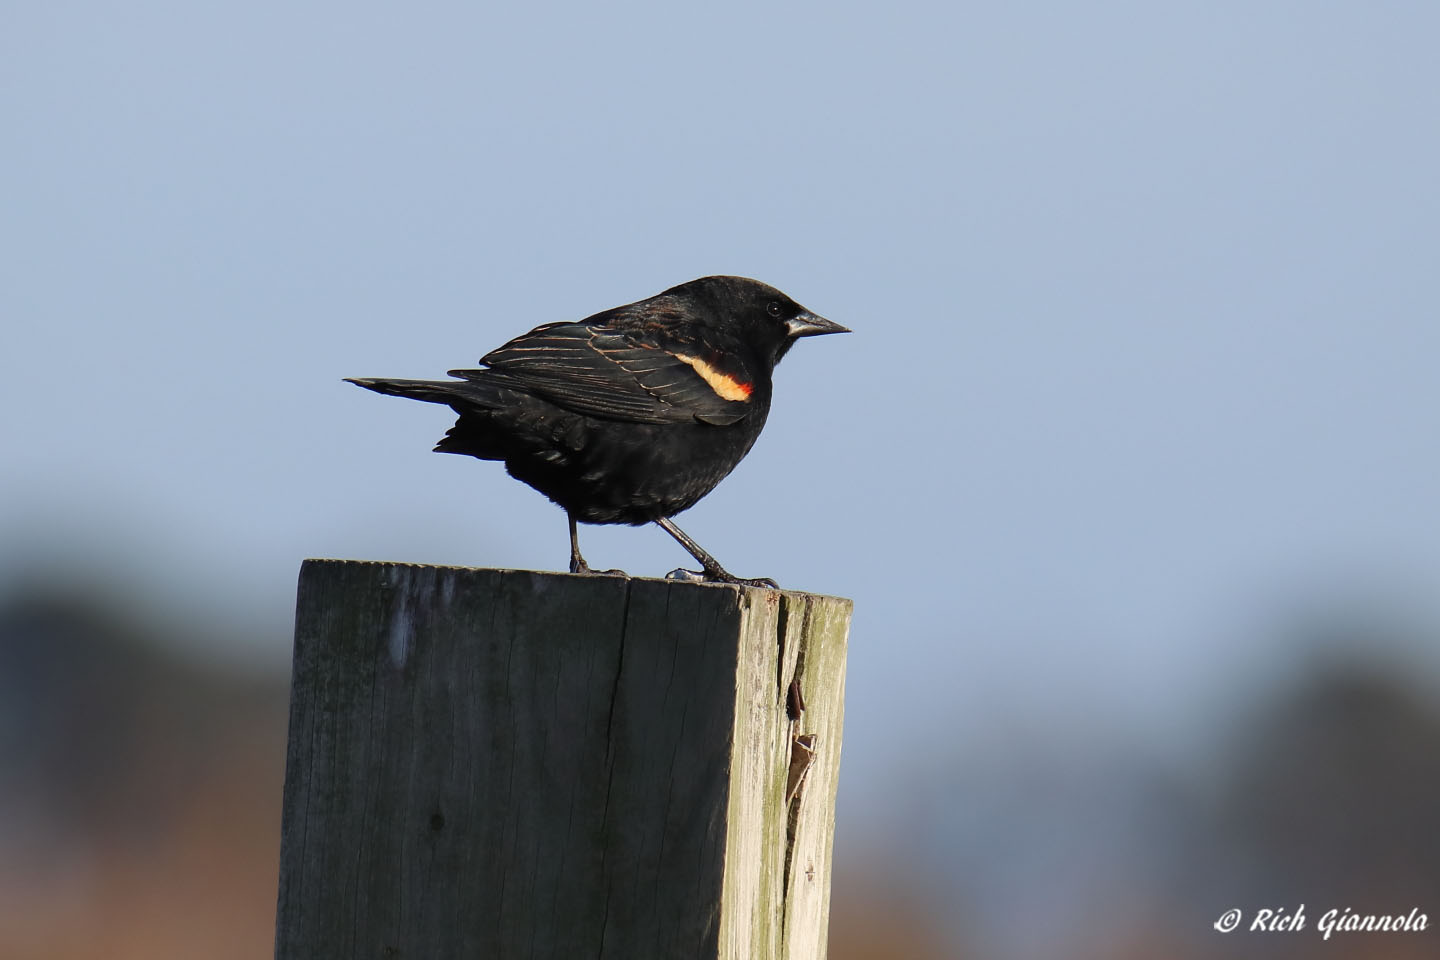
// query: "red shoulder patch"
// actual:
[[725, 386]]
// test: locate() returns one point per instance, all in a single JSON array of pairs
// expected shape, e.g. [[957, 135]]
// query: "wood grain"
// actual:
[[490, 763]]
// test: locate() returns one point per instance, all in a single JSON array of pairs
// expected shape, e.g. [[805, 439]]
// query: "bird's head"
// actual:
[[767, 321]]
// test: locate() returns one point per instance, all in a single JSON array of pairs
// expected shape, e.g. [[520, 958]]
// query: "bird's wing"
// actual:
[[602, 370]]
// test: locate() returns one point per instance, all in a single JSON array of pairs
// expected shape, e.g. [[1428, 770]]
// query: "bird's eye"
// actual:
[[774, 309]]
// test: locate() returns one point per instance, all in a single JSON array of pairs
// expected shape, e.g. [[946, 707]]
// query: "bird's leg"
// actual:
[[577, 562], [712, 572]]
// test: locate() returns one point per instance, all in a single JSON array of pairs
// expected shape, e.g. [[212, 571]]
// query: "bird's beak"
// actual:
[[807, 324]]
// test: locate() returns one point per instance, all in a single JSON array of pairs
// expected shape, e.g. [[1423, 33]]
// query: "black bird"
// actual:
[[631, 415]]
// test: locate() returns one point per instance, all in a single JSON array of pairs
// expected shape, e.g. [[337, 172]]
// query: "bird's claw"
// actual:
[[719, 576], [584, 569]]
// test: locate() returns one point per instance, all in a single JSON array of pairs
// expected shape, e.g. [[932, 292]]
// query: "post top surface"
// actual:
[[556, 575]]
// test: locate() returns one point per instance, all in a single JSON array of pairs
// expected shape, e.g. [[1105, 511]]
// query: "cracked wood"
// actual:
[[489, 763]]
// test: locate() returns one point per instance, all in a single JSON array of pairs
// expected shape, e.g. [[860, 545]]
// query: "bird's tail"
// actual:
[[465, 393]]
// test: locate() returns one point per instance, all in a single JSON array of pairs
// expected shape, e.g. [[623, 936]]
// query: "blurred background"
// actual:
[[1130, 465]]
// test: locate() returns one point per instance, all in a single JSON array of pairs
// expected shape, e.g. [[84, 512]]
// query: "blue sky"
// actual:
[[1144, 297]]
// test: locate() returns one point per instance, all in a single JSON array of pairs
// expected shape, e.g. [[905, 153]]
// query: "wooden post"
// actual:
[[506, 764]]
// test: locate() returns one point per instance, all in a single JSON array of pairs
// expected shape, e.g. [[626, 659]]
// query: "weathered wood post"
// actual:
[[498, 764]]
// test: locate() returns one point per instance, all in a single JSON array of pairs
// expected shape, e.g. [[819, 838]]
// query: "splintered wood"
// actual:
[[497, 764]]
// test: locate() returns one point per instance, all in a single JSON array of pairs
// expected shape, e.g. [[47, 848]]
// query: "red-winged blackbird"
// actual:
[[634, 414]]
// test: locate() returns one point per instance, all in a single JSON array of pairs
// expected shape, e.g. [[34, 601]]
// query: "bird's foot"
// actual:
[[719, 575], [584, 569]]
